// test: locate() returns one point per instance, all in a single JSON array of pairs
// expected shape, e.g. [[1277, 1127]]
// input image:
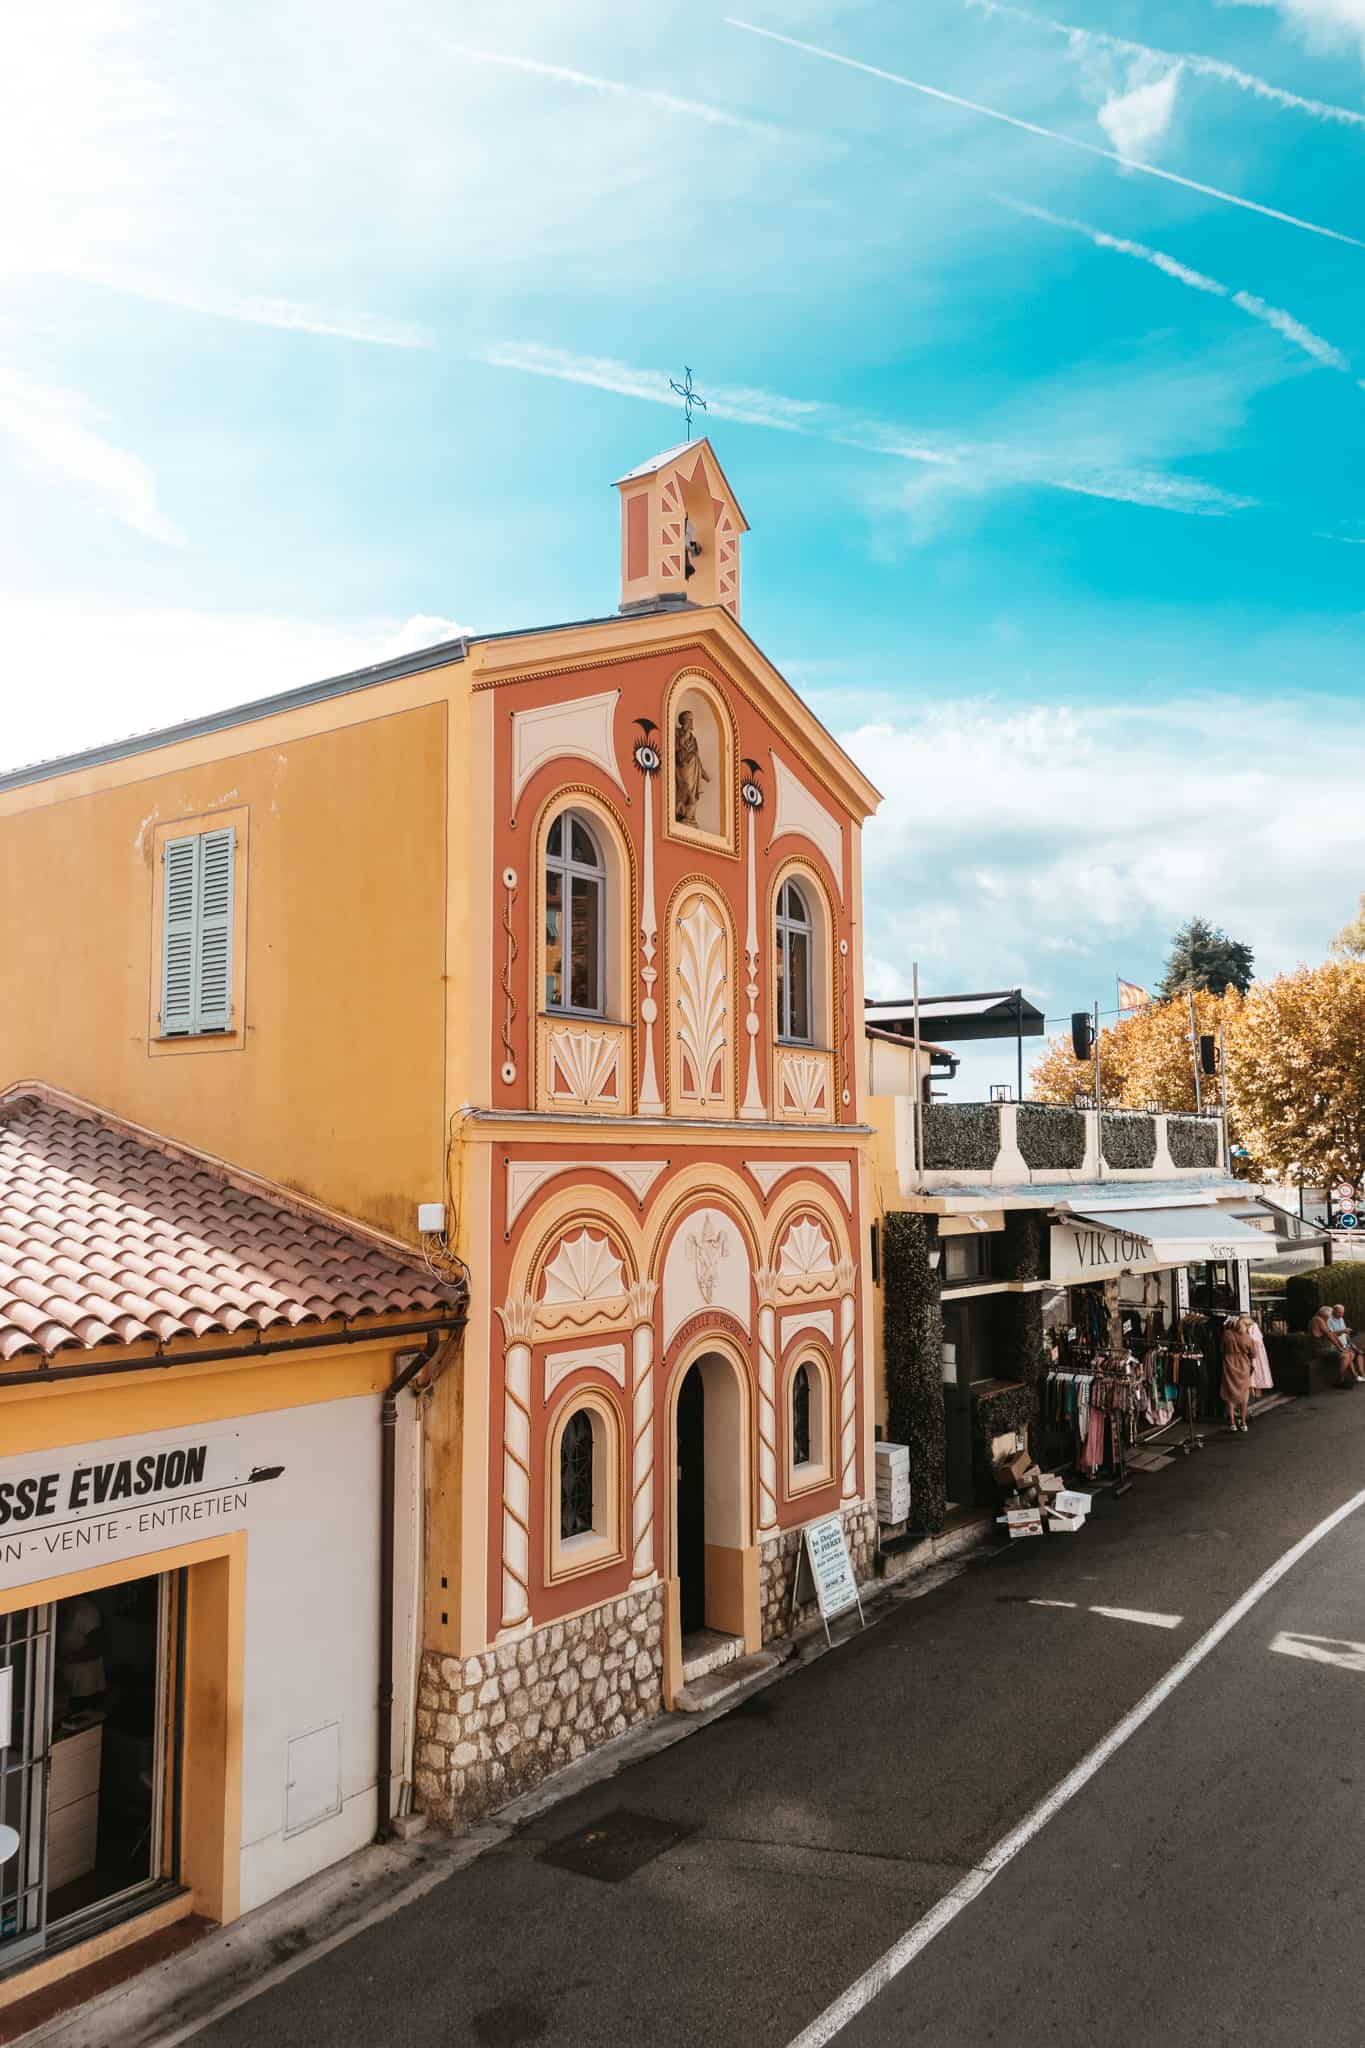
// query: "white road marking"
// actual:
[[1321, 1650], [1139, 1614], [916, 1939], [1052, 1603]]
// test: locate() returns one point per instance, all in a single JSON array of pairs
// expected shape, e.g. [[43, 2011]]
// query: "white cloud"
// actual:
[[1006, 829], [96, 675], [1294, 331], [953, 99], [52, 431], [1136, 121], [1324, 24], [1084, 42]]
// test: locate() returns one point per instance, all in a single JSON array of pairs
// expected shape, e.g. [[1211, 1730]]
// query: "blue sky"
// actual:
[[324, 329]]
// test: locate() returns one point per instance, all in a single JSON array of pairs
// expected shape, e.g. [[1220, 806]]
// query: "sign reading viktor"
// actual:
[[92, 1503]]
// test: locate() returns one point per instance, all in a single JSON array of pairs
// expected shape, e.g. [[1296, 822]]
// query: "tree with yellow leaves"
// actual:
[[1296, 1074], [1145, 1058]]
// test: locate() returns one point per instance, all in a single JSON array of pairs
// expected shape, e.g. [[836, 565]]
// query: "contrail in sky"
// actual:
[[1293, 330], [700, 110], [1202, 67], [953, 99]]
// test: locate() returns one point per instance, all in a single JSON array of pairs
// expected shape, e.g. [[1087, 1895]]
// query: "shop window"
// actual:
[[966, 1260], [88, 1710], [575, 918]]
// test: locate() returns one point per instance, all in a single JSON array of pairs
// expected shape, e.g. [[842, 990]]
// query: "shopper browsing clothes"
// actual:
[[1239, 1362]]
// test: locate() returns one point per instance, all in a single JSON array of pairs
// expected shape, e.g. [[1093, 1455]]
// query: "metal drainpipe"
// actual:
[[388, 1426]]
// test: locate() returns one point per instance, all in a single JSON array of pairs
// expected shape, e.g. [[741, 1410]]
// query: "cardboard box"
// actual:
[[1020, 1466], [1068, 1503], [1064, 1525], [1049, 1484], [1024, 1522]]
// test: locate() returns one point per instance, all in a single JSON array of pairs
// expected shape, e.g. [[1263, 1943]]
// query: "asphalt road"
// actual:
[[1204, 1886]]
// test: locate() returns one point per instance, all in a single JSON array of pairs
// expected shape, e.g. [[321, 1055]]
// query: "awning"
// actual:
[[1183, 1236]]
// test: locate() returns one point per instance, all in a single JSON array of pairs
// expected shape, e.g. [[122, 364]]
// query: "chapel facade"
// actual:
[[538, 953]]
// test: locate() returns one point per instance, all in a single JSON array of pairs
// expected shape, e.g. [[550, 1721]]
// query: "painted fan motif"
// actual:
[[803, 1080], [805, 1250], [587, 1063], [585, 1268]]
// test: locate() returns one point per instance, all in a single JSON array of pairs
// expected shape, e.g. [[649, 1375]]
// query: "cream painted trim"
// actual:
[[525, 1176], [820, 1320], [838, 1172], [582, 729], [607, 1358], [796, 812]]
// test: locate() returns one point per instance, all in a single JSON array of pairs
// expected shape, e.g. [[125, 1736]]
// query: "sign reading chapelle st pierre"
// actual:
[[95, 1502]]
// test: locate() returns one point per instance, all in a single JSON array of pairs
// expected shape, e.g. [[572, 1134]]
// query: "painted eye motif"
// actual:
[[647, 757], [752, 795]]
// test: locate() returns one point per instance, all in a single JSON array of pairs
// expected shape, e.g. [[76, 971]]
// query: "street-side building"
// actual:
[[1018, 1240], [539, 954], [195, 1660]]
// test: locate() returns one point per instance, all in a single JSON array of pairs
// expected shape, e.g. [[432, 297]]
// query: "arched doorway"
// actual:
[[714, 1560]]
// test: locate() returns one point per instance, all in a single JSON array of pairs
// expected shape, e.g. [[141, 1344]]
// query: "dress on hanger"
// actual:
[[1260, 1370]]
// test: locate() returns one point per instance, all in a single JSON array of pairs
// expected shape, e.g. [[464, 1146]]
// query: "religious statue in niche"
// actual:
[[689, 771]]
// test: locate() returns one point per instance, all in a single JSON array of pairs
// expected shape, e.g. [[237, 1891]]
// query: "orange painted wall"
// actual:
[[337, 1089]]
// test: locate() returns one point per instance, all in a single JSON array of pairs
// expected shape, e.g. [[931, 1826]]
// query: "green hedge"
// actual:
[[1051, 1137], [1193, 1140], [961, 1137], [1306, 1292], [1128, 1141], [912, 1330]]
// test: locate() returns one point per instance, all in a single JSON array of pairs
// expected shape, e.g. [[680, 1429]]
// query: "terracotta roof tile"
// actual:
[[109, 1237]]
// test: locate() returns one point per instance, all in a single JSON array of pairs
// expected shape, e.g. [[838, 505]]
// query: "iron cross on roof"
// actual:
[[689, 396]]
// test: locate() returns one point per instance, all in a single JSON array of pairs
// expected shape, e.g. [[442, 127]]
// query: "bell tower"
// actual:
[[680, 531]]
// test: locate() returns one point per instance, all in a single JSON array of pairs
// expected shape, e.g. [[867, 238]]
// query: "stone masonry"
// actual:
[[777, 1563], [491, 1726]]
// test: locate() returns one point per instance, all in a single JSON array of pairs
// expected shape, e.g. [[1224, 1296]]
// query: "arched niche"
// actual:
[[700, 749]]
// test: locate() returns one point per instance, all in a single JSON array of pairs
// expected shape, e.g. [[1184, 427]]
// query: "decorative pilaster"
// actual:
[[641, 1298], [753, 1088], [517, 1314], [765, 1280], [845, 1279], [647, 761]]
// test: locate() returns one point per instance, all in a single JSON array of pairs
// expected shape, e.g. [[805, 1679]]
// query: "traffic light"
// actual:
[[1208, 1054], [1082, 1034]]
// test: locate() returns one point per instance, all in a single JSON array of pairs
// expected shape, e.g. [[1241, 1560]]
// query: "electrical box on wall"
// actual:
[[431, 1218]]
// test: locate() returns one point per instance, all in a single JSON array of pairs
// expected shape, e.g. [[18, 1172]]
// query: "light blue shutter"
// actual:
[[213, 976], [181, 861], [196, 956]]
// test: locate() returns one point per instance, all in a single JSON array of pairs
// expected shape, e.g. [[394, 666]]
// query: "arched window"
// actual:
[[801, 1416], [575, 917], [795, 943], [576, 1458]]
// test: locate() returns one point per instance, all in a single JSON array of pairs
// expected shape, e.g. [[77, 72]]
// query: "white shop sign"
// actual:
[[824, 1555], [1085, 1251], [95, 1503]]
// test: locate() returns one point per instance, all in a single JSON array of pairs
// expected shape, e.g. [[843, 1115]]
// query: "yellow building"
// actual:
[[538, 954]]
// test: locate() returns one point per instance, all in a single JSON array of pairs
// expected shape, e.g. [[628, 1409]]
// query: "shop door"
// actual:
[[25, 1683], [692, 1502]]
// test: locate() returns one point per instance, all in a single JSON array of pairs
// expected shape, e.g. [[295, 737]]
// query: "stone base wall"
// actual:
[[778, 1563], [491, 1726]]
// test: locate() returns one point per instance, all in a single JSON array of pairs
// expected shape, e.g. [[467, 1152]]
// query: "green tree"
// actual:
[[1349, 943], [1204, 957]]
